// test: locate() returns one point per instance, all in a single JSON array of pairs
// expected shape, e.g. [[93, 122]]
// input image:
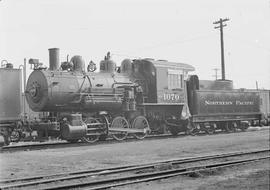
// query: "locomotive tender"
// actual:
[[225, 109], [142, 95]]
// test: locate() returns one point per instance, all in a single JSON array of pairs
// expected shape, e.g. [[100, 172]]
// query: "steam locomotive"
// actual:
[[128, 100], [139, 97]]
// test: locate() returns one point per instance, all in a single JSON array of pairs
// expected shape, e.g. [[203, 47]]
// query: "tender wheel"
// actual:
[[119, 122], [158, 127], [244, 126], [15, 135], [91, 138], [174, 126], [209, 129], [194, 129], [140, 122], [234, 126], [228, 127], [174, 130]]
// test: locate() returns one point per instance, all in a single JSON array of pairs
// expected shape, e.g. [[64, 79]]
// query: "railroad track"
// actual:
[[63, 144], [130, 174]]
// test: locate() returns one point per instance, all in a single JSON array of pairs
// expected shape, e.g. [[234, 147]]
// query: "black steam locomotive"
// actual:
[[142, 95], [133, 99]]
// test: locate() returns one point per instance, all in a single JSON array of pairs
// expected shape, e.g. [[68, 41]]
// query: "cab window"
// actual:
[[175, 79]]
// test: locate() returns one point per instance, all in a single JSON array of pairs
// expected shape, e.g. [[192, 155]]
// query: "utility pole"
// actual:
[[221, 25], [216, 73]]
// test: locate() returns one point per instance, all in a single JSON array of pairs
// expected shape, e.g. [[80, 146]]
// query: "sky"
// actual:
[[174, 30]]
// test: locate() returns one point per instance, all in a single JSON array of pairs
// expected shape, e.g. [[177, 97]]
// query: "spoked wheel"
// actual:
[[140, 122], [194, 129], [15, 135], [234, 126], [229, 127], [122, 123], [91, 138], [244, 126]]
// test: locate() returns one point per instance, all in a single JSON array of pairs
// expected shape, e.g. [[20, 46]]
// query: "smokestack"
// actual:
[[54, 58]]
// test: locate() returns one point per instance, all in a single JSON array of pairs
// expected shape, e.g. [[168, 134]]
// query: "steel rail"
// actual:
[[112, 170], [159, 175], [63, 144], [96, 171]]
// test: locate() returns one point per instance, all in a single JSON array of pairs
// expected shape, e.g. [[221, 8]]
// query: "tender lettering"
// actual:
[[237, 103], [207, 102], [244, 103]]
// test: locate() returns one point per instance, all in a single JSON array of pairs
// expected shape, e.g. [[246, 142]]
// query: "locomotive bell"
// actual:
[[78, 63], [66, 65]]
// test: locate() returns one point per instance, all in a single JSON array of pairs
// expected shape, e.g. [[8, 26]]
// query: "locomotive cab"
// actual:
[[166, 101], [165, 80]]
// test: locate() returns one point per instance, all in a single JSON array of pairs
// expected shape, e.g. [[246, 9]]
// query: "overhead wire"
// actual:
[[247, 42], [164, 44]]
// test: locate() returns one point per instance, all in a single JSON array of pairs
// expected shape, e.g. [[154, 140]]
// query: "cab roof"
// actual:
[[170, 65]]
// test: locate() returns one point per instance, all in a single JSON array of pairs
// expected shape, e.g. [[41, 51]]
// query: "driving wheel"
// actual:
[[140, 122], [122, 123]]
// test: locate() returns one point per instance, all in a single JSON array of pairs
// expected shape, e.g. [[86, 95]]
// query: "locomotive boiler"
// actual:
[[76, 90]]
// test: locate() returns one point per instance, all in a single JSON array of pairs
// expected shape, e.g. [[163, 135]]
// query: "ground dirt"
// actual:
[[254, 176], [51, 161]]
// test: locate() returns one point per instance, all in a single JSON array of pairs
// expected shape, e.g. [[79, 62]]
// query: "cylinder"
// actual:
[[70, 132], [54, 58]]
